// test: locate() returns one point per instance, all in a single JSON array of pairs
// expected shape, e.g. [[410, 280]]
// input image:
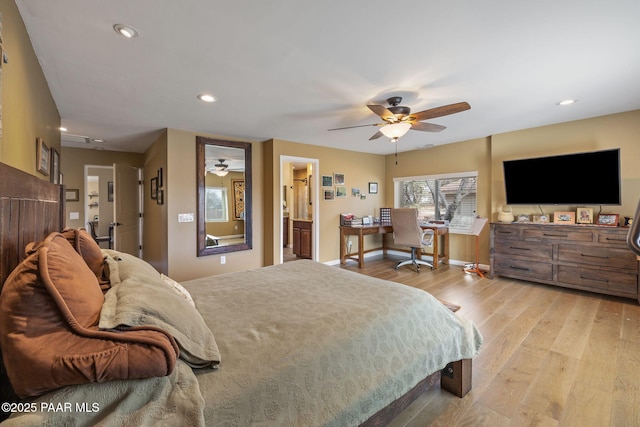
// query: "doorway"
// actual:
[[299, 184], [112, 203]]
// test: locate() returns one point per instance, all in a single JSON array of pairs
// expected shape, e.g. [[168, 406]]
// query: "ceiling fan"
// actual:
[[398, 119], [220, 169]]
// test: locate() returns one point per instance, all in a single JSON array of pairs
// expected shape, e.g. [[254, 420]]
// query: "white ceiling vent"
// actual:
[[74, 139]]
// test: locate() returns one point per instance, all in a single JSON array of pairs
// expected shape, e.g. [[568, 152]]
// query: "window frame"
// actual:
[[225, 208], [398, 183]]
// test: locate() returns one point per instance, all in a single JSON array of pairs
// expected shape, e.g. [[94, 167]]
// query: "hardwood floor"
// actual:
[[550, 357]]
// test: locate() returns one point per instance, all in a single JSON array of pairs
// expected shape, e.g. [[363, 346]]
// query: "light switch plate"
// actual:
[[185, 217]]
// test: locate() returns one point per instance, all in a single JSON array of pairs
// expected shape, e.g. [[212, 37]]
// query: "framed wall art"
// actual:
[[42, 157], [373, 188], [154, 188], [327, 180], [72, 195], [55, 166], [238, 198], [338, 178]]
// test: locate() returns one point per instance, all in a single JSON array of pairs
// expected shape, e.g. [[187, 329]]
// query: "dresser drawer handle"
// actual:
[[593, 279], [519, 268], [616, 240], [553, 235], [594, 256], [520, 249]]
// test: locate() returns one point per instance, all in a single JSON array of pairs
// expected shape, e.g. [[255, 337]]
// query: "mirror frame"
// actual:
[[203, 250]]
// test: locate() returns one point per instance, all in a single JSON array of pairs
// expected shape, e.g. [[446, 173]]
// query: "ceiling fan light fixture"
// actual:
[[221, 172], [395, 131]]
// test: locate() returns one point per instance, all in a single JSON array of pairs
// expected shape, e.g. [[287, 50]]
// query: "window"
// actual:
[[216, 207], [450, 197]]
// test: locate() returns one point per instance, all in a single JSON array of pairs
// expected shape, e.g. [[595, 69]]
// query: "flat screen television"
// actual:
[[591, 178]]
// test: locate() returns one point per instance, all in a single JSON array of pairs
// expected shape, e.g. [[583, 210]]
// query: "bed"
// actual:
[[295, 344]]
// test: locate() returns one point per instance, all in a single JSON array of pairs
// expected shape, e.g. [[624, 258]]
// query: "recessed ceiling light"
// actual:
[[126, 30], [566, 102], [206, 97], [62, 129]]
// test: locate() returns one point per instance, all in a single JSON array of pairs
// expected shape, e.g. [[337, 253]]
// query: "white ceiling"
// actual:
[[292, 69]]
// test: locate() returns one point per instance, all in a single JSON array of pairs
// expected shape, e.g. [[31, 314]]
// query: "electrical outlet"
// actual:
[[223, 259]]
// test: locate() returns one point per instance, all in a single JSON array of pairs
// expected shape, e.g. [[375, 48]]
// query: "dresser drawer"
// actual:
[[507, 232], [523, 268], [603, 280], [598, 255], [613, 237], [548, 234], [528, 249]]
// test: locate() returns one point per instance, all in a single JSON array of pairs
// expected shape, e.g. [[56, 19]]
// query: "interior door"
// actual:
[[126, 209]]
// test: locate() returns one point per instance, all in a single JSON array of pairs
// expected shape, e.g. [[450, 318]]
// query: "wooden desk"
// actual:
[[364, 230]]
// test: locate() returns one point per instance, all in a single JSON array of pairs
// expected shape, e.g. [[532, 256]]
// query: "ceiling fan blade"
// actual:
[[427, 127], [445, 110], [376, 135], [359, 126], [383, 112]]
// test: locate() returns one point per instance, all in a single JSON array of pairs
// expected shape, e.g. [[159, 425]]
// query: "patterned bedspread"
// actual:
[[301, 344]]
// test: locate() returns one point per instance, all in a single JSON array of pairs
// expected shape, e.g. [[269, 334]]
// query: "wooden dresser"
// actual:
[[588, 257]]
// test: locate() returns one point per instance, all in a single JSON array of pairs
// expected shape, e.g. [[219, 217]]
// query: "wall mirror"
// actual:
[[224, 196]]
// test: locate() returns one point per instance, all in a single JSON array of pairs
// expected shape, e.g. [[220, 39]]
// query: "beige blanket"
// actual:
[[301, 344]]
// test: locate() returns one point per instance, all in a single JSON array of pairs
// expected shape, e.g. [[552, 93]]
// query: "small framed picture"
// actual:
[[522, 218], [160, 197], [154, 188], [327, 180], [355, 192], [109, 191], [341, 191], [72, 195], [608, 219], [160, 178], [338, 178], [584, 216], [55, 166], [42, 157], [373, 188], [541, 219], [564, 217], [329, 194]]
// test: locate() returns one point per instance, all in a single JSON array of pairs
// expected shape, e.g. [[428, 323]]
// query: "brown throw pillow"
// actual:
[[88, 249], [49, 312]]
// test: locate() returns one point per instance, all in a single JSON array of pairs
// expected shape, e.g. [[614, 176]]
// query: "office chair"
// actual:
[[98, 239], [407, 232]]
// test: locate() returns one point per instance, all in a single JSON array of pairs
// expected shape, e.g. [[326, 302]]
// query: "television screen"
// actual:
[[574, 179]]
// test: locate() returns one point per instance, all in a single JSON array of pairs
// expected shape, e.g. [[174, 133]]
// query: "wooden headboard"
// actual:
[[30, 209]]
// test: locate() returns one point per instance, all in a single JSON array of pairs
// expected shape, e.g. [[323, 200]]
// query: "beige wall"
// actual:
[[28, 109], [359, 170], [612, 131], [181, 197], [154, 224], [467, 156]]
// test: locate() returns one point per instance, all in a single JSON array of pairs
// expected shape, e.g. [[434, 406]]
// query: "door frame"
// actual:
[[315, 200]]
